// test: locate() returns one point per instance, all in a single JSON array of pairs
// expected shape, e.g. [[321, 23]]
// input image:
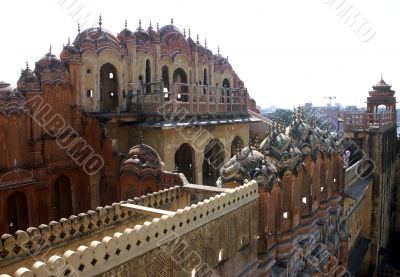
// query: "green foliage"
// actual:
[[282, 115]]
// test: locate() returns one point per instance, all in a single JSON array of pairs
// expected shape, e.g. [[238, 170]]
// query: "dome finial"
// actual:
[[218, 51], [79, 28], [151, 27], [158, 27], [172, 21], [189, 32], [100, 21], [205, 43], [140, 24], [126, 24], [27, 66], [69, 40], [141, 138], [197, 39], [50, 49], [184, 32]]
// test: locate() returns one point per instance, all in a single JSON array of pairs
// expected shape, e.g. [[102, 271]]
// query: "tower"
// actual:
[[381, 95]]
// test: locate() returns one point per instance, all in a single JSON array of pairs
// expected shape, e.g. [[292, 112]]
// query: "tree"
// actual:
[[282, 115]]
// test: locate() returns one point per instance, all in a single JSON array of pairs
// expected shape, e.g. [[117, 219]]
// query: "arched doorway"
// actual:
[[237, 145], [213, 160], [108, 88], [184, 161], [62, 197], [17, 212], [180, 77]]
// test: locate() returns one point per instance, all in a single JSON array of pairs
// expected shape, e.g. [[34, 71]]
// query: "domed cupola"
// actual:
[[220, 62], [11, 101], [153, 34], [51, 70], [381, 89], [97, 40], [70, 53], [173, 42], [142, 160], [126, 36], [382, 94], [141, 35], [28, 81], [192, 44]]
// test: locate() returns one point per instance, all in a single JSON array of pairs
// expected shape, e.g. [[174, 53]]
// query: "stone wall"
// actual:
[[235, 210], [24, 245]]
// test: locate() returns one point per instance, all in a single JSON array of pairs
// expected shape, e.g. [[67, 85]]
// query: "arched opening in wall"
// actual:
[[226, 85], [129, 187], [17, 212], [184, 162], [165, 77], [180, 79], [62, 197], [148, 76], [236, 145], [323, 184], [214, 155], [148, 185], [108, 88], [306, 189], [381, 108]]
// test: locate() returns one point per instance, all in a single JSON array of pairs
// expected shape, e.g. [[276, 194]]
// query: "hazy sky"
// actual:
[[286, 52]]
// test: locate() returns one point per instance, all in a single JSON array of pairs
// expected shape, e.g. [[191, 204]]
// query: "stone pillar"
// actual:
[[199, 167], [94, 190]]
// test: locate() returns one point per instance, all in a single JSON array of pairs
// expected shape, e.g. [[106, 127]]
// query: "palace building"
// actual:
[[68, 125], [143, 154]]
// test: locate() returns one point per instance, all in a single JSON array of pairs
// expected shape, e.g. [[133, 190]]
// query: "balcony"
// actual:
[[190, 99], [369, 122]]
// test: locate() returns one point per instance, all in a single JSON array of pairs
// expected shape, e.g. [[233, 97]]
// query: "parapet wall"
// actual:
[[101, 256], [36, 240]]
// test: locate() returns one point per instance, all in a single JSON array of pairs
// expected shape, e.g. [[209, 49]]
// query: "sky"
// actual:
[[287, 52]]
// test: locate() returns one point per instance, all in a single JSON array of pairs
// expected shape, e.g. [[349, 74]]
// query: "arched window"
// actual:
[[226, 88], [226, 83], [148, 76], [17, 212], [108, 88], [165, 76], [180, 78], [62, 197]]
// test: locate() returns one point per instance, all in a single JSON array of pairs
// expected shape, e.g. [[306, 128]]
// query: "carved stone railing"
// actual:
[[40, 239], [369, 122], [100, 256], [191, 99]]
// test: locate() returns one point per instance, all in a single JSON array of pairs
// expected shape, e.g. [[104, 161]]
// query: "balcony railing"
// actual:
[[369, 122], [192, 99]]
